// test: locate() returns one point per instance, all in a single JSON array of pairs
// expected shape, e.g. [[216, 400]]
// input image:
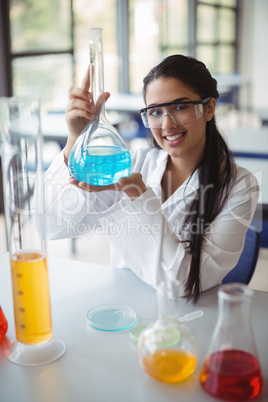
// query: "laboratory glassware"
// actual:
[[99, 156], [3, 323], [231, 370], [21, 143], [137, 328], [111, 317], [168, 350]]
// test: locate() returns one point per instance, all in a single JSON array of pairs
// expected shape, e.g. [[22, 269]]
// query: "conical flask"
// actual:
[[99, 156], [167, 350], [3, 323], [231, 370]]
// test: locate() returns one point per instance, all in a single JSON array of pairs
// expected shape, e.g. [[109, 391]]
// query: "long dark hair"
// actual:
[[217, 169]]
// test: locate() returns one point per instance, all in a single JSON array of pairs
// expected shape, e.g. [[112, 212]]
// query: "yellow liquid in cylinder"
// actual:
[[31, 297], [169, 365]]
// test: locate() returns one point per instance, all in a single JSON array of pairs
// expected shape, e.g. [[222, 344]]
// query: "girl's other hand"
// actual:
[[132, 185]]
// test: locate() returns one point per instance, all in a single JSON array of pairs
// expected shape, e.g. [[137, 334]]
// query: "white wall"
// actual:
[[253, 51]]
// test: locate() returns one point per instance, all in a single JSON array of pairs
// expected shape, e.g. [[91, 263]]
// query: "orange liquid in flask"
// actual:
[[31, 297], [169, 365]]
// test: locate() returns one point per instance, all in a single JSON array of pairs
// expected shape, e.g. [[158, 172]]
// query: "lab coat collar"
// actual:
[[155, 178], [190, 185]]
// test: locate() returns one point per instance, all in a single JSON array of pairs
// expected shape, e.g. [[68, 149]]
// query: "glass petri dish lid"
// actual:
[[111, 317]]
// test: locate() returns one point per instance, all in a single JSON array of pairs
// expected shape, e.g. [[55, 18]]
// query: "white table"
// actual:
[[102, 366], [250, 148], [54, 126], [249, 142], [125, 103]]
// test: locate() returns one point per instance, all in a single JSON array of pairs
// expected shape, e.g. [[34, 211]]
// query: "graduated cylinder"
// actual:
[[22, 169]]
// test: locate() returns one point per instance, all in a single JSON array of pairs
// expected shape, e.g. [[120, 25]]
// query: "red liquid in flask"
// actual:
[[3, 324], [232, 375]]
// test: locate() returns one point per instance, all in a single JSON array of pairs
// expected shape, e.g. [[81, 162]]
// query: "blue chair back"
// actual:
[[245, 267]]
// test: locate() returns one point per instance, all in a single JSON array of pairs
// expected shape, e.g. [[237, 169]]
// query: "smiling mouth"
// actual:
[[174, 137]]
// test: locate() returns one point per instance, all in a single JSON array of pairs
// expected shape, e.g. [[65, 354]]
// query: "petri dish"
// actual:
[[111, 317]]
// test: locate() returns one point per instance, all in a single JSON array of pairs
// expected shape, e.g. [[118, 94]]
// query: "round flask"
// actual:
[[167, 350], [231, 370], [99, 156]]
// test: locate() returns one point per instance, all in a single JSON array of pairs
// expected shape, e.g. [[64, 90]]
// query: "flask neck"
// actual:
[[96, 63], [168, 299], [235, 303]]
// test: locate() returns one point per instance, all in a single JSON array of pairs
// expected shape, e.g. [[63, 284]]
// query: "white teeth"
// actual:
[[173, 137]]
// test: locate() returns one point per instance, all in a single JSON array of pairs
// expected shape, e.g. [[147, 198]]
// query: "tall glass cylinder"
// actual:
[[24, 206]]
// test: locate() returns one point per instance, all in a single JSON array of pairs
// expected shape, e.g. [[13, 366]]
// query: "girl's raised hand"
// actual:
[[80, 110]]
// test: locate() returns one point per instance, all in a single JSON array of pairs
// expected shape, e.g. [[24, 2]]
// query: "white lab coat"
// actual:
[[145, 233]]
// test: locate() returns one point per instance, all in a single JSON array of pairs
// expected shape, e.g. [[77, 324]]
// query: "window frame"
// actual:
[[217, 43], [7, 56]]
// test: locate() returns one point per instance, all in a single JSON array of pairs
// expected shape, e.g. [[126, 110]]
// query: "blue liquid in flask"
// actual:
[[100, 165], [99, 156]]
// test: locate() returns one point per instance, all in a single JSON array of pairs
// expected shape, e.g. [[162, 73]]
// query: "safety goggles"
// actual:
[[180, 112]]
